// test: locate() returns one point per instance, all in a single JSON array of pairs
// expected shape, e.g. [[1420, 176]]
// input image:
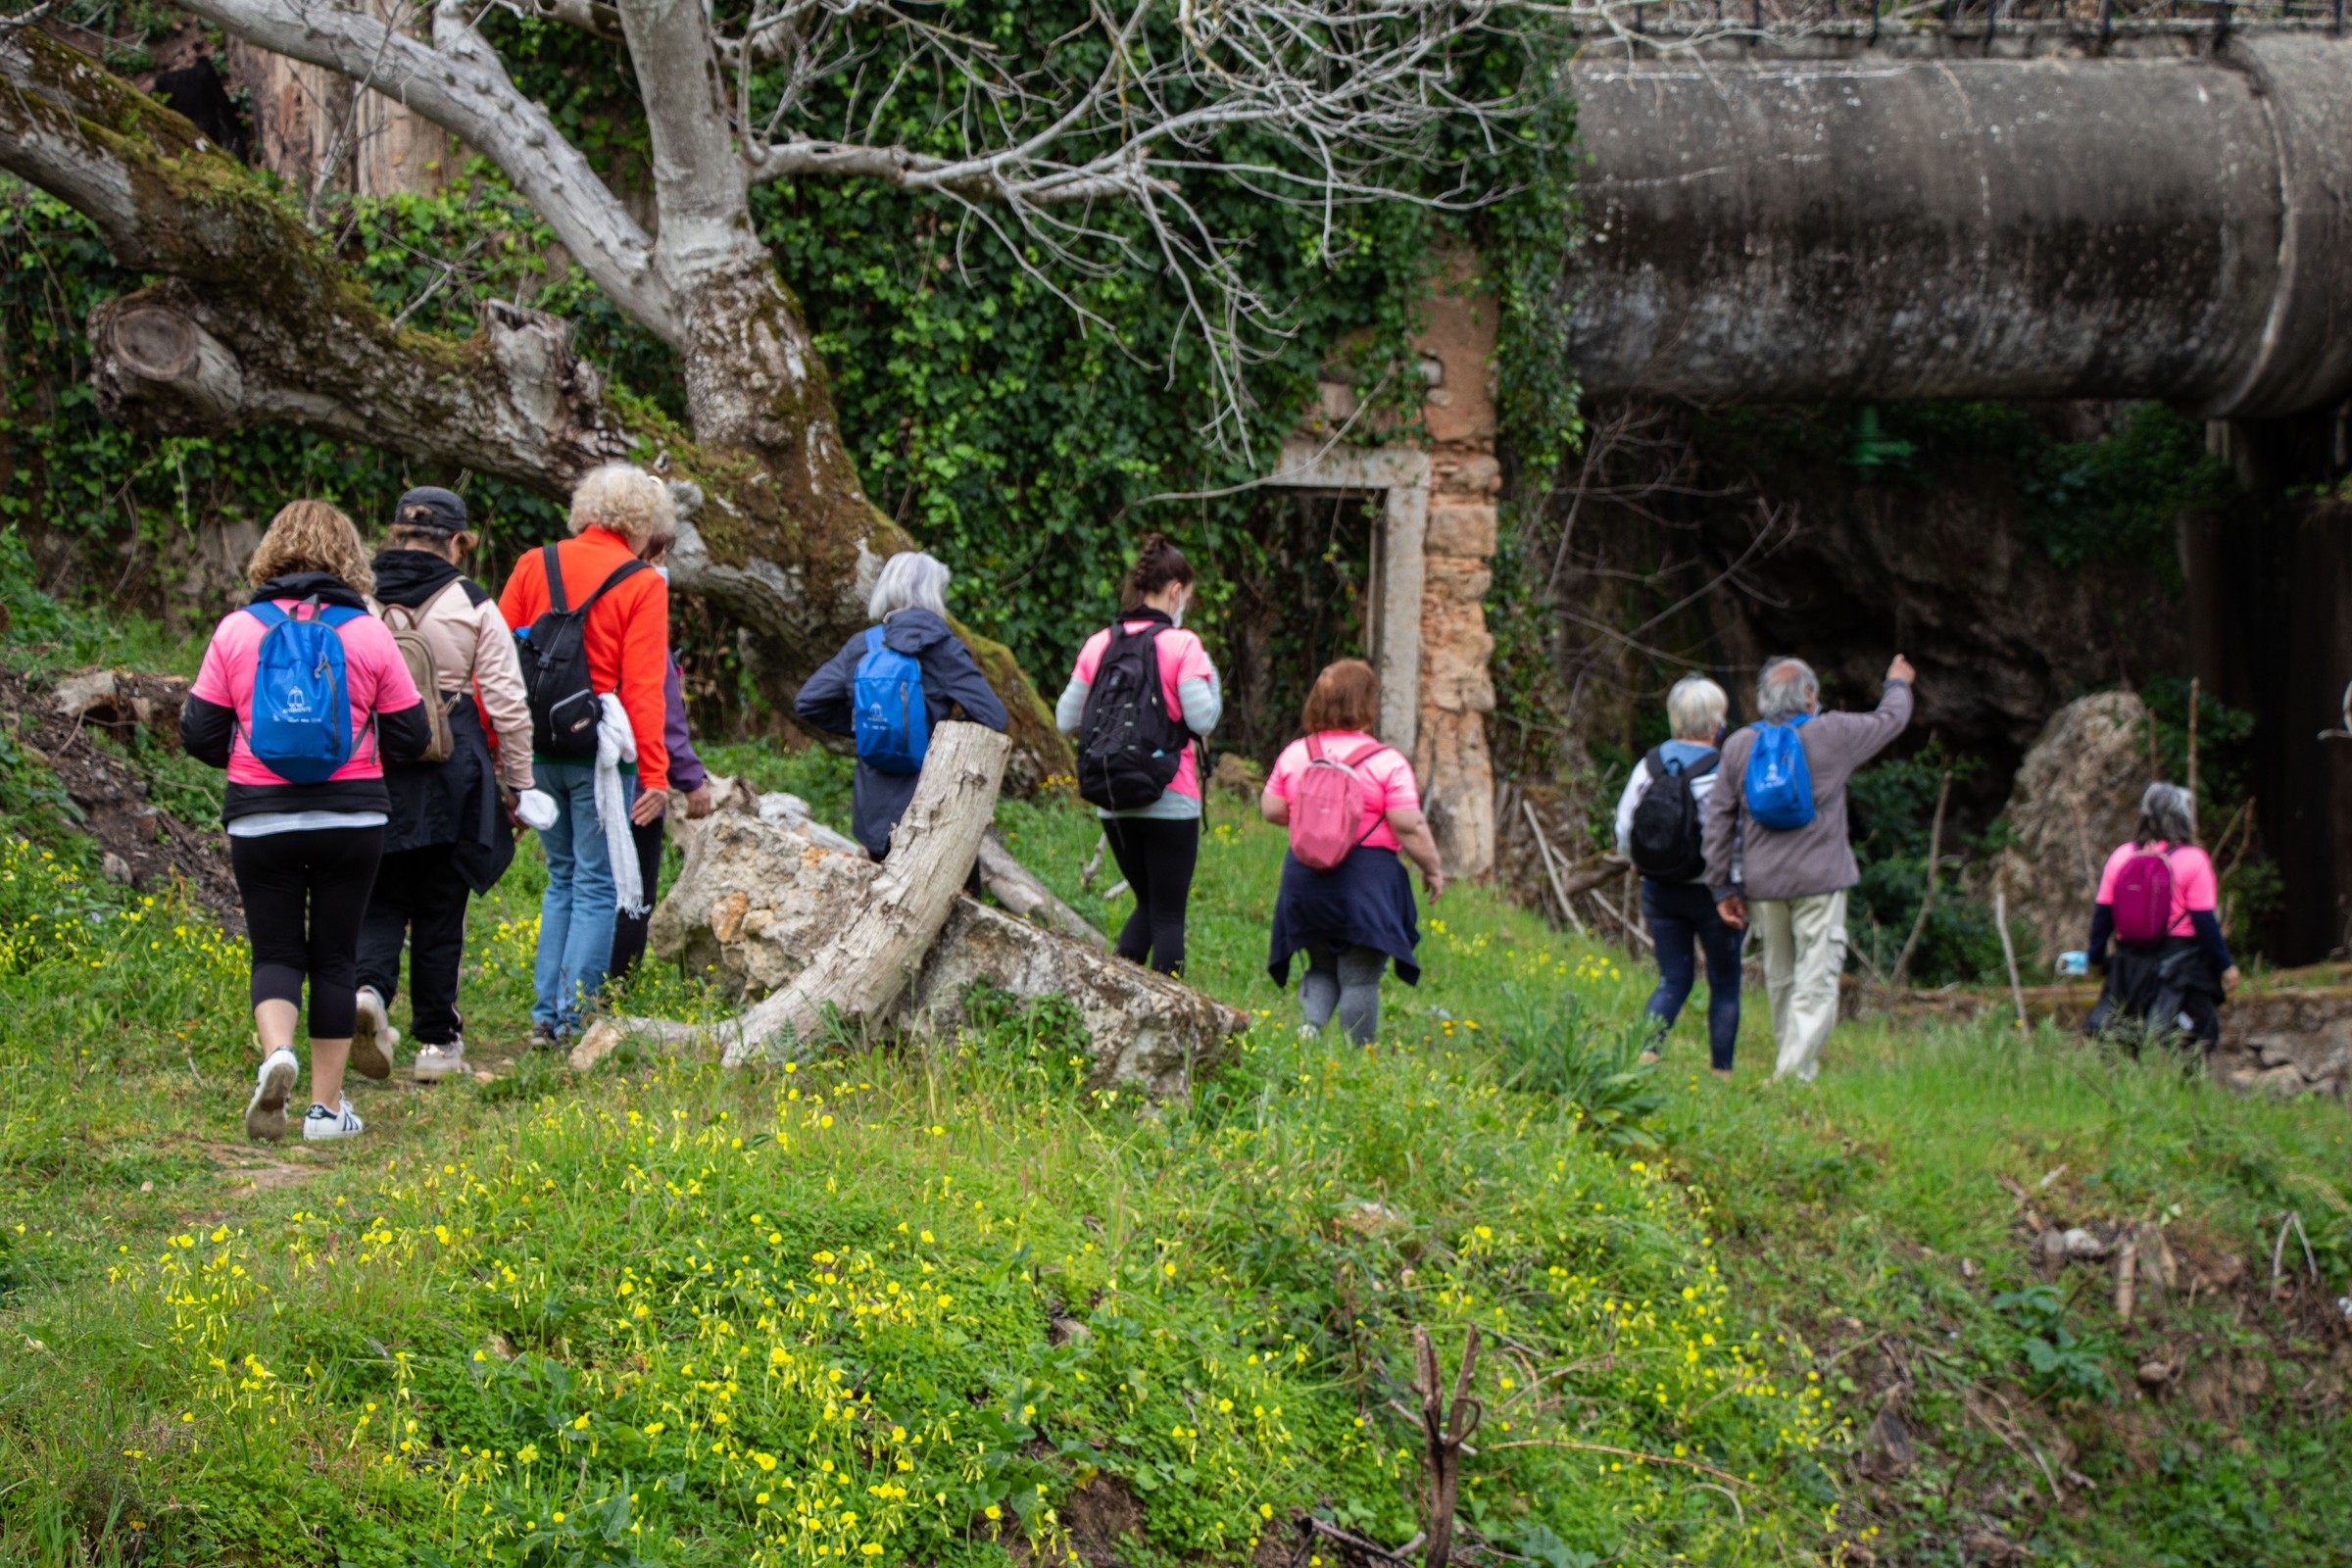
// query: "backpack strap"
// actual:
[[1655, 761], [873, 641], [621, 574], [1363, 754], [551, 564], [1315, 748]]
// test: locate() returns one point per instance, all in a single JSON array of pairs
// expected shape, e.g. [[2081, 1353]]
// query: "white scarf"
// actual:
[[615, 743]]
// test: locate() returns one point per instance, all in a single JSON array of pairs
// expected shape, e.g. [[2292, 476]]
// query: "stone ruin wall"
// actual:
[[1457, 690]]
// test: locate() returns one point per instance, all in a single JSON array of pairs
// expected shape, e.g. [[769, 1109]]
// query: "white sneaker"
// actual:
[[436, 1063], [372, 1037], [266, 1112], [322, 1125]]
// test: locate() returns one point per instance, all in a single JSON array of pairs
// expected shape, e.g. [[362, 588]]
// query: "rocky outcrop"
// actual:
[[760, 892], [2076, 798]]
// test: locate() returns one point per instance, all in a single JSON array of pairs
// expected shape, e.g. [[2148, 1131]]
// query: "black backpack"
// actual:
[[1129, 746], [555, 683], [1665, 841]]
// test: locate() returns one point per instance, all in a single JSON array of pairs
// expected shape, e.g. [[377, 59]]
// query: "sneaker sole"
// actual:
[[266, 1112], [368, 1058], [310, 1136], [432, 1073]]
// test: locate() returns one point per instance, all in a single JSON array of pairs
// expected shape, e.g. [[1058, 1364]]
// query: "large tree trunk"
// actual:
[[256, 323]]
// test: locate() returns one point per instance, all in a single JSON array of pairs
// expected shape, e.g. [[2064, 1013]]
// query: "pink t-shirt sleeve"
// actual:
[[2194, 887], [1090, 657], [211, 677], [1285, 778]]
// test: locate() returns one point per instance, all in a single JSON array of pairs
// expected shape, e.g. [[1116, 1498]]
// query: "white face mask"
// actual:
[[664, 572], [1183, 603]]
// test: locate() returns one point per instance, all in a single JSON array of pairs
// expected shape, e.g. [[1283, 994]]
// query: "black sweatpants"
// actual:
[[420, 899], [1156, 858], [628, 930], [304, 895]]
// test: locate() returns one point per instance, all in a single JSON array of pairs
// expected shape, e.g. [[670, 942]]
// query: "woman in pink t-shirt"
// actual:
[[1353, 919], [305, 853], [1145, 786], [2177, 982]]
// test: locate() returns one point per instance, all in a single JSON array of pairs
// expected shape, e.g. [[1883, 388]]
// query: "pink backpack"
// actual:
[[2143, 897], [1327, 806]]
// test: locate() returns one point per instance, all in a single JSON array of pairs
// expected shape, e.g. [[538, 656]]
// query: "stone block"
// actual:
[[1457, 789], [1458, 529], [1472, 474]]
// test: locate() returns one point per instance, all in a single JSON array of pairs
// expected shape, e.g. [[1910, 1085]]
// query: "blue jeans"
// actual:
[[1681, 920], [575, 917]]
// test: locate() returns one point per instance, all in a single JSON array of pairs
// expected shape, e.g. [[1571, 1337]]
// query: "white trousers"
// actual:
[[1804, 954]]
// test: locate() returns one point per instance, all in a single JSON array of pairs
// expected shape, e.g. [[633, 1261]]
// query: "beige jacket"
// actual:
[[472, 646]]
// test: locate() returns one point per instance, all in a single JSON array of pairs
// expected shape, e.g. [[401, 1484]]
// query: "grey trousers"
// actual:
[[1346, 983]]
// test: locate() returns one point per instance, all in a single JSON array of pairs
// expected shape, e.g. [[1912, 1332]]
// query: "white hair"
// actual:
[[2168, 812], [627, 500], [1786, 688], [1695, 707], [909, 580]]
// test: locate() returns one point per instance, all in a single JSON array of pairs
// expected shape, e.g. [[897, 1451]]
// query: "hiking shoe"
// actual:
[[436, 1063], [322, 1125], [547, 1036], [266, 1112], [372, 1037]]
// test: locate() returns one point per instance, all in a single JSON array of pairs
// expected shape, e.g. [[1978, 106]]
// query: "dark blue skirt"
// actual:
[[1367, 902]]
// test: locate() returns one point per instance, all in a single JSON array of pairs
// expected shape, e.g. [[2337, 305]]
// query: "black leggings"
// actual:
[[1156, 857], [628, 930], [418, 900], [304, 896]]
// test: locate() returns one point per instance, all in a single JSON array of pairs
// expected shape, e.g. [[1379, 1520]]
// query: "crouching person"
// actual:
[[448, 836], [2171, 968], [303, 697]]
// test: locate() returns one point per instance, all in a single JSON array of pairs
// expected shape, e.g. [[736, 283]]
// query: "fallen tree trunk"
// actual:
[[1019, 891], [862, 969]]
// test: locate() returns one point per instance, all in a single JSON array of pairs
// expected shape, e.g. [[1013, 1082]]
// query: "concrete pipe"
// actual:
[[1888, 226]]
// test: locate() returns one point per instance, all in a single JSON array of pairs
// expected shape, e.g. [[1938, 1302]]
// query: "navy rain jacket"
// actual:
[[951, 679]]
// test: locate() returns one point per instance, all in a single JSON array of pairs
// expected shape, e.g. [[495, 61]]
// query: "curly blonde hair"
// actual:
[[311, 536], [627, 500]]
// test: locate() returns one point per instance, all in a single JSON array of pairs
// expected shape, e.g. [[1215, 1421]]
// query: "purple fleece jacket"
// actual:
[[686, 770]]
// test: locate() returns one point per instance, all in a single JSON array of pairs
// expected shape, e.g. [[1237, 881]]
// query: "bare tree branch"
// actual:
[[458, 83]]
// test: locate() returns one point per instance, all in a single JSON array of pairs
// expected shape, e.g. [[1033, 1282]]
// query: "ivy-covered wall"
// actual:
[[1020, 442]]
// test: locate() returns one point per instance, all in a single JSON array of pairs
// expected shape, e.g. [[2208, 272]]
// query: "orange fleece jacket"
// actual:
[[628, 631]]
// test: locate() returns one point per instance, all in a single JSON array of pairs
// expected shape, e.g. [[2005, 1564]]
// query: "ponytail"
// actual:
[[1157, 564]]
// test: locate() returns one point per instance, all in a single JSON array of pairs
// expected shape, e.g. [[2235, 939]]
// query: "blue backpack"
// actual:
[[887, 711], [1779, 786], [300, 727]]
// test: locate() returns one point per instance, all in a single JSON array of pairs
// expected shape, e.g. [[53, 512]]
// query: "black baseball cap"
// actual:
[[429, 507]]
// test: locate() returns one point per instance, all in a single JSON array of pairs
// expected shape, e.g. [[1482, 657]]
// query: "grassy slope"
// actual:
[[927, 1288]]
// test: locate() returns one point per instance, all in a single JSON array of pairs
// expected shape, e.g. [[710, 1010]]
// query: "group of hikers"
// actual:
[[388, 727], [1738, 828]]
